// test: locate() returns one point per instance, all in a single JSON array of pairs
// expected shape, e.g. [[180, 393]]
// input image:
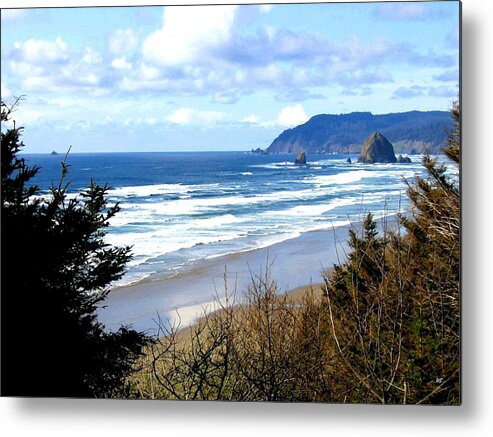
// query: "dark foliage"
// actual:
[[395, 304], [56, 268]]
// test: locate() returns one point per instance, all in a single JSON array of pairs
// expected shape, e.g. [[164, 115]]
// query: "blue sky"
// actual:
[[219, 77]]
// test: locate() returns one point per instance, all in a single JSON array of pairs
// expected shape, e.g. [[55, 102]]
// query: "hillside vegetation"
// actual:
[[409, 132]]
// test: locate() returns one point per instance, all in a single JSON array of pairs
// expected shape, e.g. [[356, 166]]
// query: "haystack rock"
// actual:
[[377, 148], [300, 158]]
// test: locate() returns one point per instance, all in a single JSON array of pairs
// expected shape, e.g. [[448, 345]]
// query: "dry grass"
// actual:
[[269, 347]]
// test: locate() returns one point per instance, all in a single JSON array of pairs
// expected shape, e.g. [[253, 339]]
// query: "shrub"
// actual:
[[395, 304]]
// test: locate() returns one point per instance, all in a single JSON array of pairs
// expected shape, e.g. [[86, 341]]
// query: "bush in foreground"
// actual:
[[395, 304], [266, 348]]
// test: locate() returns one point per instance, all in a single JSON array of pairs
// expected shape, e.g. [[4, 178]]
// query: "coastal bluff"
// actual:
[[410, 132], [377, 148]]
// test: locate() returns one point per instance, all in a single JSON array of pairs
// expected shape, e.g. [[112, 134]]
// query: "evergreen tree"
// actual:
[[433, 236], [394, 305], [56, 269]]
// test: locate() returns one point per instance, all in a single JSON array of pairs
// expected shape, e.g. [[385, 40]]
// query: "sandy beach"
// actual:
[[295, 263]]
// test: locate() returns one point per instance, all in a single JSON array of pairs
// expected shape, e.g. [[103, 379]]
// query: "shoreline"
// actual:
[[294, 296], [294, 263], [199, 265]]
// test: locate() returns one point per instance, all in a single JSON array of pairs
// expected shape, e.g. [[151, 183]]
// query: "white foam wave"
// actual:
[[149, 190], [160, 212], [269, 240], [214, 222], [332, 224], [168, 226], [152, 244], [329, 162], [314, 210], [276, 165], [356, 176], [163, 238], [340, 178]]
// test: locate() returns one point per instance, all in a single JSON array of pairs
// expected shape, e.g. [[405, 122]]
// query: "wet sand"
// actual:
[[182, 299]]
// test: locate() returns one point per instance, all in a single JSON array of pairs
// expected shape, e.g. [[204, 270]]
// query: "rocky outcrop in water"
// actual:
[[403, 159], [377, 148], [300, 158], [259, 151]]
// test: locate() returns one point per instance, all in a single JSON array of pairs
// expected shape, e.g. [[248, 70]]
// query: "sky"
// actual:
[[187, 78]]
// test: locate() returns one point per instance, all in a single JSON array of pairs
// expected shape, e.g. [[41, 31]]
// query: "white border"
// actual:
[[24, 417]]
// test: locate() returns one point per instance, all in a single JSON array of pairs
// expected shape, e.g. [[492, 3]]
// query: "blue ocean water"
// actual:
[[178, 208]]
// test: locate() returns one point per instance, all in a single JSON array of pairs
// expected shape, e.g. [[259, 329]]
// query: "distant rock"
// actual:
[[403, 160], [259, 151], [54, 153], [377, 148], [348, 160], [300, 158]]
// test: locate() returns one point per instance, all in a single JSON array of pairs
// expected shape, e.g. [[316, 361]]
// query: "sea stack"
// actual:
[[377, 148], [403, 159], [300, 158]]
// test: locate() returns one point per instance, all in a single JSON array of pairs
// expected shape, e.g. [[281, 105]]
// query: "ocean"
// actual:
[[180, 208]]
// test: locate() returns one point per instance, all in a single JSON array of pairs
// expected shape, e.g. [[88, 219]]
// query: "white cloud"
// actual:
[[122, 41], [29, 116], [400, 11], [121, 64], [146, 72], [189, 116], [5, 92], [292, 116], [205, 52], [9, 15], [252, 118], [453, 38], [136, 85], [25, 69], [189, 34], [409, 11], [181, 116], [62, 83], [447, 76], [265, 8], [91, 56], [45, 66], [225, 97], [270, 73], [36, 51]]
